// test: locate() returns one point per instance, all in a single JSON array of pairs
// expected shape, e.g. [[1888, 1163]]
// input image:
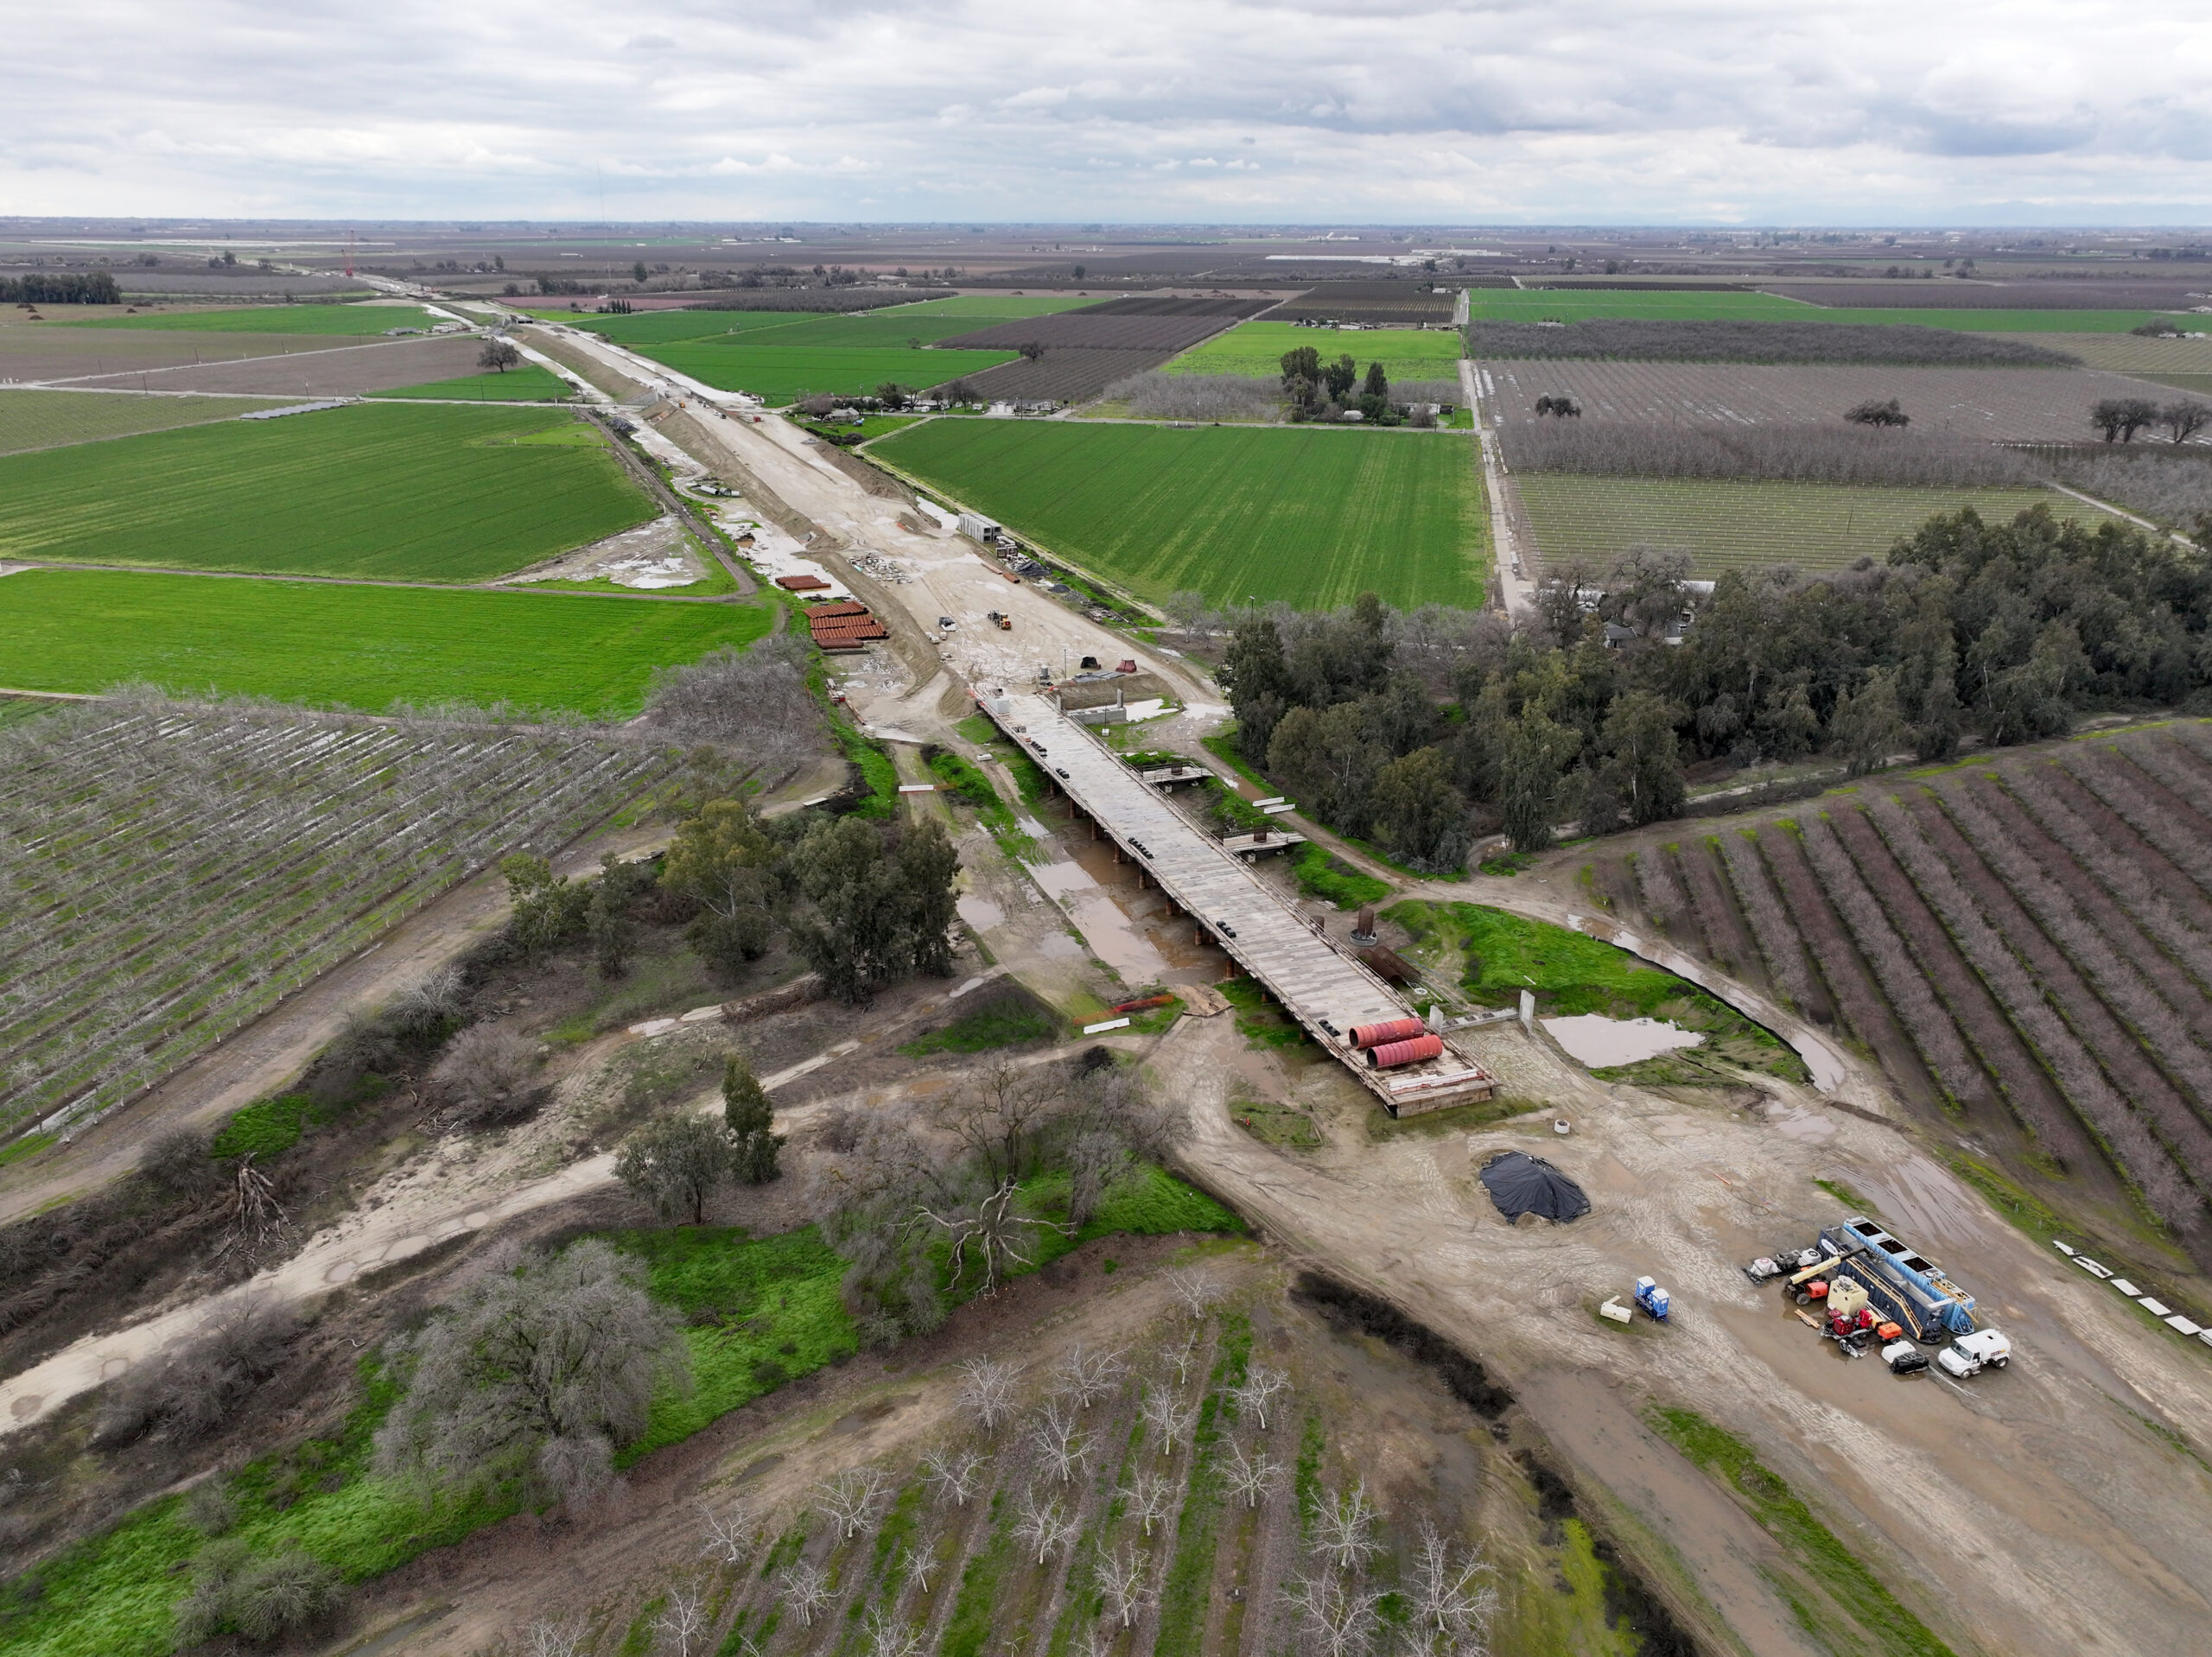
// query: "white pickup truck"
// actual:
[[1986, 1349]]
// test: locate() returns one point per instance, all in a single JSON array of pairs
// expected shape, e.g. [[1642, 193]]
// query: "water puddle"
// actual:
[[1597, 1041], [980, 912]]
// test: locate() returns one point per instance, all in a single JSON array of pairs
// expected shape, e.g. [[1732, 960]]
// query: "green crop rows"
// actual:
[[437, 494], [1573, 305], [528, 383], [1256, 349], [35, 420], [1311, 516], [1726, 524], [784, 355], [362, 647], [329, 320]]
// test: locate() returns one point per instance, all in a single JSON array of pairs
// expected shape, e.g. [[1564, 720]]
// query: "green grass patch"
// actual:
[[1496, 956], [38, 420], [979, 729], [267, 1127], [370, 491], [1311, 517], [1728, 524], [879, 773], [1008, 1020], [968, 1630], [1887, 1625], [1272, 1122], [1186, 1589], [2022, 1207], [1229, 809], [775, 1309], [29, 1146], [528, 383], [363, 647], [1255, 350], [1321, 873], [1459, 1119], [1223, 747], [869, 426], [972, 788], [17, 710], [346, 320], [1259, 1020]]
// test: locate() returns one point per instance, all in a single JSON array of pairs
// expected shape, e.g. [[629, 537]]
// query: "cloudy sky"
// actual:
[[2046, 112]]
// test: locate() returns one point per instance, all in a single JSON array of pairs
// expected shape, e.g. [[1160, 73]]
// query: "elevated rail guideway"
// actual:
[[1325, 990]]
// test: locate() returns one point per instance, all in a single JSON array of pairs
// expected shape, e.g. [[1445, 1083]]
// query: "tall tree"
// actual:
[[676, 1162], [750, 1120], [1644, 759], [1257, 678], [724, 860], [1868, 725], [927, 865], [1419, 815], [1533, 789]]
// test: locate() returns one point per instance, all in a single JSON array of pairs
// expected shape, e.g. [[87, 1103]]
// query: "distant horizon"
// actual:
[[466, 223]]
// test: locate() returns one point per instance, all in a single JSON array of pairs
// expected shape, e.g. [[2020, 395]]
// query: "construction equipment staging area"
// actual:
[[1409, 1069]]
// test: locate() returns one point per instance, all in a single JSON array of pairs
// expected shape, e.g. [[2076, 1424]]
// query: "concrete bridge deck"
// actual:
[[1325, 990]]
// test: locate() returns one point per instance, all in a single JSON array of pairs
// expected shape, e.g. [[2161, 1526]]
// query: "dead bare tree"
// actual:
[[849, 1501], [1043, 1527], [1089, 1377], [683, 1621], [1260, 1388], [986, 1394], [921, 1565], [988, 1235], [1122, 1581], [1343, 1528], [1058, 1437], [730, 1534], [1152, 1498], [1182, 1357], [806, 1590], [1252, 1476], [955, 1475], [1451, 1600], [546, 1638], [1197, 1289], [888, 1637], [256, 1215], [1336, 1615], [1170, 1418]]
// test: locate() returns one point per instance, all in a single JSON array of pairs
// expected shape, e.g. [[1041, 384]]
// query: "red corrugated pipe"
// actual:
[[1389, 1056], [1374, 1035]]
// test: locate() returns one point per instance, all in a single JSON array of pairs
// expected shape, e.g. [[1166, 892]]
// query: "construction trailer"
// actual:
[[1900, 1283]]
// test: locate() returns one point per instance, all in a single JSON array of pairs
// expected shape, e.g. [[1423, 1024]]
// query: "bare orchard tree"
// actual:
[[683, 1624], [806, 1589], [1057, 1436], [1337, 1616], [1260, 1388], [547, 1638], [730, 1534], [1451, 1598], [1088, 1376], [851, 1500], [1196, 1288], [1343, 1528], [955, 1475], [1123, 1580], [889, 1637], [987, 1391], [1151, 1499], [1170, 1418], [921, 1565], [1043, 1527], [1181, 1358], [1252, 1476]]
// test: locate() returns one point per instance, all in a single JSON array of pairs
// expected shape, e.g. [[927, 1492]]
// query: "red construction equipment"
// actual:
[[1390, 1054]]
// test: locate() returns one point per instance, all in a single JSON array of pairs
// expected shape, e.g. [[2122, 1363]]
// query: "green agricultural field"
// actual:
[[528, 384], [363, 647], [340, 319], [1256, 349], [782, 375], [33, 420], [1723, 524], [1575, 305], [659, 328], [1313, 516], [374, 491]]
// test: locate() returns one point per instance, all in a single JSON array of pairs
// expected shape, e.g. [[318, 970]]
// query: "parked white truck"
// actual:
[[1986, 1349]]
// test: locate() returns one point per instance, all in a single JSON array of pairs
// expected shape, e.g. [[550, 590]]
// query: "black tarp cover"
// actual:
[[1520, 1184]]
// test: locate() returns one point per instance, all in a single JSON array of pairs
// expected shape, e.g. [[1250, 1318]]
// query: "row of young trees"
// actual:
[[63, 288], [1585, 713]]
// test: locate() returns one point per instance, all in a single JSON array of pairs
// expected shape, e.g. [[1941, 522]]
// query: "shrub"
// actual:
[[486, 1074], [264, 1597], [178, 1164], [193, 1392]]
